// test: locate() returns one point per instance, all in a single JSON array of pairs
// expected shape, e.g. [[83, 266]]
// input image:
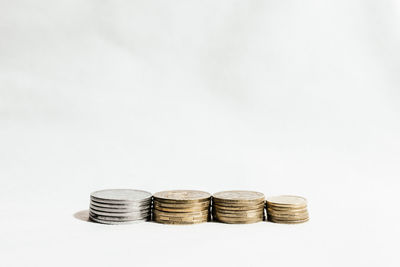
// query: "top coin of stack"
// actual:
[[287, 209], [120, 206], [238, 206], [181, 207]]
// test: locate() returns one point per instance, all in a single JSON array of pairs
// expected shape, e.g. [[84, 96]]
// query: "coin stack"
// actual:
[[181, 207], [120, 206], [238, 207], [287, 209]]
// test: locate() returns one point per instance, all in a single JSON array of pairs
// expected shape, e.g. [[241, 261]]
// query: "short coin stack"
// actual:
[[181, 207], [120, 206], [238, 207], [287, 209]]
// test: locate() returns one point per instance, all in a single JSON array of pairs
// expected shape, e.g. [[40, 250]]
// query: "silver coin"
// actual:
[[117, 222], [120, 206], [118, 219], [126, 210], [120, 195], [121, 214]]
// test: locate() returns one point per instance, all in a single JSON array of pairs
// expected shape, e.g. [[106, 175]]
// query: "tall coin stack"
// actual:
[[181, 207], [238, 207], [120, 206], [287, 209]]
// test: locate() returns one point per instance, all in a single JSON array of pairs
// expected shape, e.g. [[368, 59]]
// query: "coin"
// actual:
[[287, 209], [120, 214], [240, 208], [240, 213], [120, 196], [127, 210], [116, 222], [118, 219], [238, 196], [203, 204], [180, 210], [287, 201], [181, 206], [181, 196], [239, 221], [181, 222], [287, 221], [180, 214], [120, 206]]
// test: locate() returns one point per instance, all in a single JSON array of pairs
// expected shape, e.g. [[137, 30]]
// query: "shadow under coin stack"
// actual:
[[238, 207], [181, 207], [287, 209], [120, 206]]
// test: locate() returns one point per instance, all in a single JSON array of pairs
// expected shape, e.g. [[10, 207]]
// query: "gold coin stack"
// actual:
[[287, 209], [238, 207], [181, 207]]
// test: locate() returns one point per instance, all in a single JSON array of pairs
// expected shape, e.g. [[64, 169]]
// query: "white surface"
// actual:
[[283, 97]]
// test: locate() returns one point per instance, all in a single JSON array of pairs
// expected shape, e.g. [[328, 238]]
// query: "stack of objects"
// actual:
[[287, 209], [181, 207], [120, 206], [238, 207]]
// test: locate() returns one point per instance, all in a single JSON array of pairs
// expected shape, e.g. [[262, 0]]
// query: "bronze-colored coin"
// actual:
[[179, 214], [186, 219], [288, 222], [287, 201], [239, 213], [238, 203], [182, 206], [243, 216], [180, 210], [289, 218], [200, 205], [234, 217], [274, 209], [182, 222], [239, 208], [181, 196], [287, 213], [238, 221], [237, 196], [182, 219]]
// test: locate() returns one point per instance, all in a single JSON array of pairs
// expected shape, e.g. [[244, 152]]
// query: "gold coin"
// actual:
[[287, 201], [239, 208], [181, 196], [180, 214], [288, 222], [289, 212], [180, 210], [187, 218], [238, 203], [300, 209], [182, 222], [182, 206], [238, 196], [236, 217], [288, 218], [239, 213], [182, 219], [238, 221]]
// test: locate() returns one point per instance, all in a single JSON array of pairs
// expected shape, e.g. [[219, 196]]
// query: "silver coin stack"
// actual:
[[120, 206]]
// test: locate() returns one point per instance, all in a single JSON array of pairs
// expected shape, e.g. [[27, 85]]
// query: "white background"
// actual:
[[282, 97]]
